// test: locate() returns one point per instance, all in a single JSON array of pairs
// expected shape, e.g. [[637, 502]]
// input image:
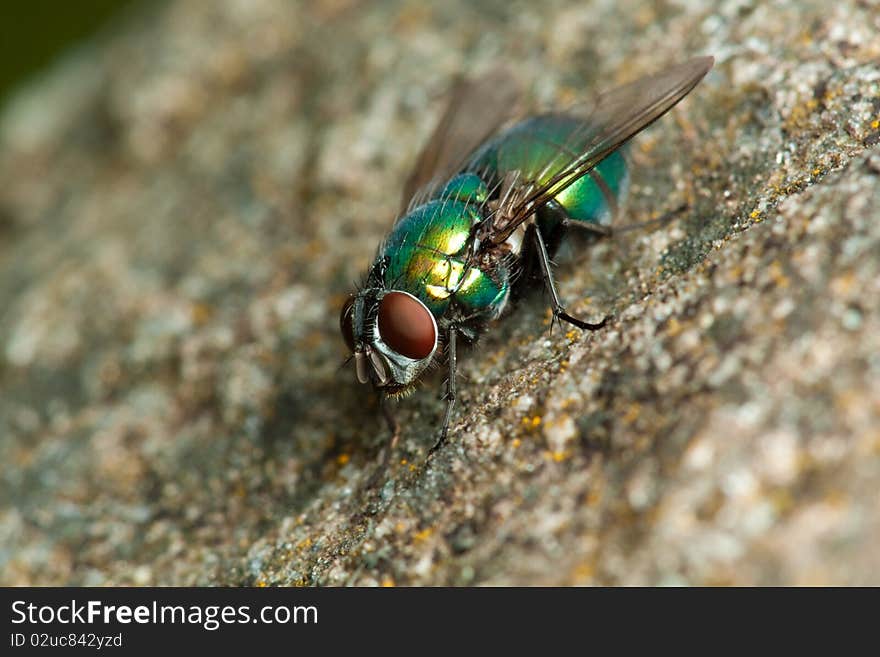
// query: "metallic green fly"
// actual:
[[483, 213]]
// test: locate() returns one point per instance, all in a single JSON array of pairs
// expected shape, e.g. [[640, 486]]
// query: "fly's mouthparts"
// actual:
[[379, 367], [360, 363], [365, 358]]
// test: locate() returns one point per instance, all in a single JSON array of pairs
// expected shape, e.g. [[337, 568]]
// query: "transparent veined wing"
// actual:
[[475, 111], [615, 118]]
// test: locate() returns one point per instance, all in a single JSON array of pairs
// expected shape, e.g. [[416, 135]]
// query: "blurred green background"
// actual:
[[34, 34]]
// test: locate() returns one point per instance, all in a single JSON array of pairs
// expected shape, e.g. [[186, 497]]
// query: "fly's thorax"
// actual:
[[393, 335], [430, 254]]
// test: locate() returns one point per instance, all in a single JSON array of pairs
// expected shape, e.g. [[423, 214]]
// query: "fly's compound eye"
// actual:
[[345, 324], [406, 325]]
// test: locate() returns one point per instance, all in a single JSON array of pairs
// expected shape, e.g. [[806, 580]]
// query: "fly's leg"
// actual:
[[450, 388], [611, 231], [558, 309], [394, 427], [393, 424], [597, 230], [663, 219]]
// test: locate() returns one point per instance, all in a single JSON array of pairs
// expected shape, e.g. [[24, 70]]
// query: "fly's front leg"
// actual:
[[450, 388], [593, 229], [558, 309], [394, 428], [393, 424], [664, 218]]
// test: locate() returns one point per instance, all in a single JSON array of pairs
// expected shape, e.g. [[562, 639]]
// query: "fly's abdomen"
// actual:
[[541, 147], [427, 257]]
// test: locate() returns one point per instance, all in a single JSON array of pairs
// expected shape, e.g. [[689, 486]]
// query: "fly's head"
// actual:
[[392, 335]]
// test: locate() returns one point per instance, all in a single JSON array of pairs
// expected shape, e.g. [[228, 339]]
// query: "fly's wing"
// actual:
[[476, 109], [618, 115]]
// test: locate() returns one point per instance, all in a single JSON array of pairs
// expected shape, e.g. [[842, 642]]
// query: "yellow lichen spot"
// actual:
[[315, 247], [261, 583], [412, 468], [632, 413], [583, 571], [673, 327], [874, 443], [387, 583], [572, 335], [567, 96], [848, 401], [776, 273], [516, 443], [836, 499], [201, 313], [314, 339], [875, 124], [648, 144], [342, 459], [557, 456], [844, 284], [304, 544], [755, 214], [423, 535], [532, 422], [782, 500], [816, 171]]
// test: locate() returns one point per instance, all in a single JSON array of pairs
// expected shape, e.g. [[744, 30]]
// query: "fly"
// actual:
[[483, 213]]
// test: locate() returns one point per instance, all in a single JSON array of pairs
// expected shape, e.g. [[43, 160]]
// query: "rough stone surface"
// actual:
[[186, 203]]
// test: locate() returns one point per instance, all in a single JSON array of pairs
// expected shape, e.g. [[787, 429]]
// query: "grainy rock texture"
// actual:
[[186, 203]]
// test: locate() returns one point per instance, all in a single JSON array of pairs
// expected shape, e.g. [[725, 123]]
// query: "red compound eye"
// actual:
[[345, 324], [406, 325]]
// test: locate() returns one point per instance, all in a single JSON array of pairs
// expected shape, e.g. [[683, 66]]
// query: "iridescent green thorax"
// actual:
[[467, 187], [541, 147], [427, 253]]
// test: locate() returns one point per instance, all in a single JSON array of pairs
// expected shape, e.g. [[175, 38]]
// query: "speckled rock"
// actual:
[[186, 203]]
